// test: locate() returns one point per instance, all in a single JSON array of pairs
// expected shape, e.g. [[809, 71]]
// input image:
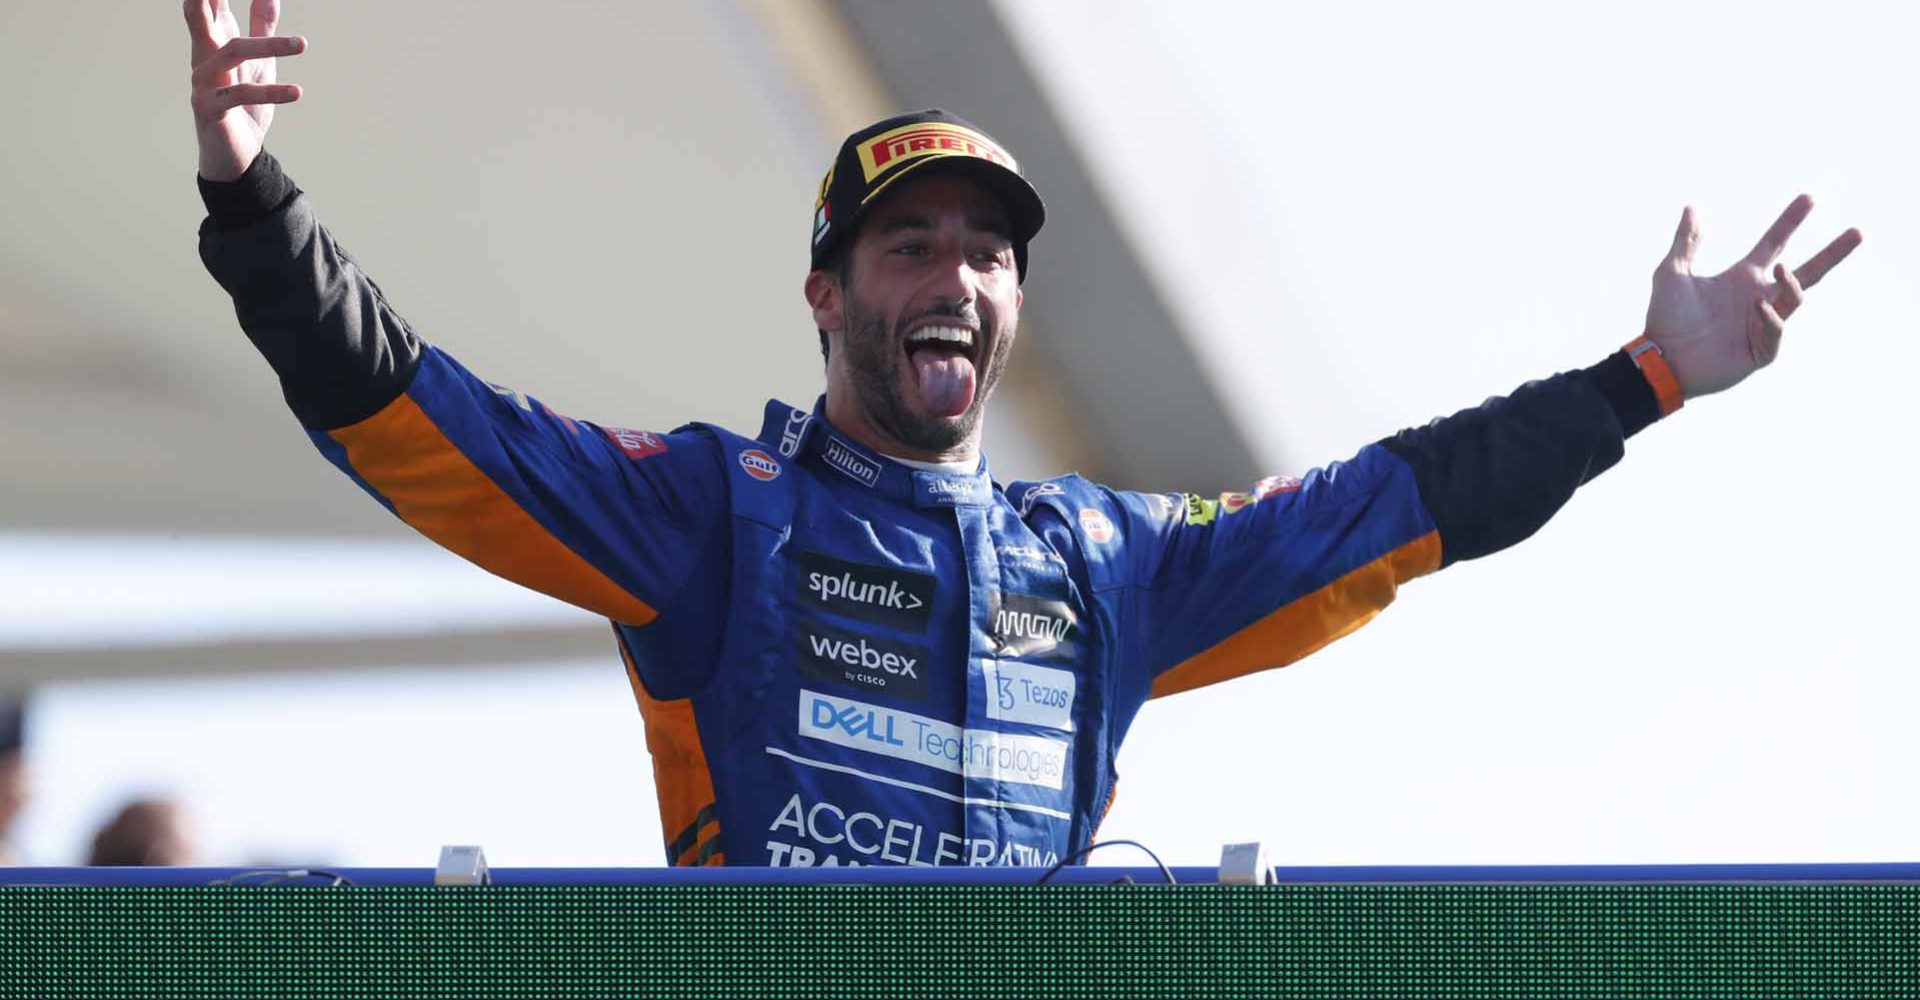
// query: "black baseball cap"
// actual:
[[919, 144]]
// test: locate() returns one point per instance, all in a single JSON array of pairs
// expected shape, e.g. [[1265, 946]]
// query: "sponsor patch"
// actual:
[[824, 835], [795, 430], [885, 596], [889, 150], [1234, 503], [952, 491], [1200, 510], [874, 665], [637, 444], [1026, 627], [1028, 554], [852, 463], [1033, 496], [974, 753], [1096, 525], [1275, 484], [1023, 692], [759, 465]]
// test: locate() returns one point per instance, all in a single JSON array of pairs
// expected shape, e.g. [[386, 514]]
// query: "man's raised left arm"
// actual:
[[1255, 581]]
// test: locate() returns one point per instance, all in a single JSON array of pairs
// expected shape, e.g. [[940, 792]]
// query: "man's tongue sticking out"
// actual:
[[945, 380]]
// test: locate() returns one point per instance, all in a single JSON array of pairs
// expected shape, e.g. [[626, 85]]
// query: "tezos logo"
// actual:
[[759, 465], [1096, 525]]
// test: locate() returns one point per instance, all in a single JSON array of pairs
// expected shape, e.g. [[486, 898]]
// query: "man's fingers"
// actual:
[[1685, 239], [200, 21], [239, 50], [264, 18], [1816, 267], [1766, 251], [249, 93], [1790, 293], [1763, 339], [200, 30]]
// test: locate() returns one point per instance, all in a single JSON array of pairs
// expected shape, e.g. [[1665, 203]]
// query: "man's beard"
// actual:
[[873, 362]]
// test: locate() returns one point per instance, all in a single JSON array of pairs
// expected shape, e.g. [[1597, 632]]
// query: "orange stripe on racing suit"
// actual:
[[437, 490]]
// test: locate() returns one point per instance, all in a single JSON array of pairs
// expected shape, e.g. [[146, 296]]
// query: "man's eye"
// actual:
[[911, 249]]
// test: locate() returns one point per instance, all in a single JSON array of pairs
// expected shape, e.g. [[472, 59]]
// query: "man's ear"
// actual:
[[825, 296]]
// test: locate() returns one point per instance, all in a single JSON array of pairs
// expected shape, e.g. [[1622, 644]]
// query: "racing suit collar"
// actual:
[[795, 432]]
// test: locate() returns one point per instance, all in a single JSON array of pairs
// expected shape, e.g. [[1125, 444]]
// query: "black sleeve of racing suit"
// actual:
[[255, 224], [1492, 475]]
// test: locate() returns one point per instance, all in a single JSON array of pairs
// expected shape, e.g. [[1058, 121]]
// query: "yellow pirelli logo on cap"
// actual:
[[888, 150]]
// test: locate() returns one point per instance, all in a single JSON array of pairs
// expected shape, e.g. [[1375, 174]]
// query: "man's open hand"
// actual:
[[233, 82], [1716, 331]]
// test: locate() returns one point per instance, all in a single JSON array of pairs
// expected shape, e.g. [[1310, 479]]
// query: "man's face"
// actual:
[[921, 329]]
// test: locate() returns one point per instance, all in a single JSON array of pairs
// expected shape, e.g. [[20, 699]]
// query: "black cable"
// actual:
[[1090, 848], [279, 876]]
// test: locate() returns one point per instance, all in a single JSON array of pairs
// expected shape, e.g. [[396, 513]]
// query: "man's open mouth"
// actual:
[[942, 359]]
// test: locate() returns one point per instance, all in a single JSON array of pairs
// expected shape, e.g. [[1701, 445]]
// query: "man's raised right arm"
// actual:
[[614, 521]]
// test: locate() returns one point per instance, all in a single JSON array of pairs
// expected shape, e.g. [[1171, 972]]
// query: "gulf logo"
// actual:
[[1096, 525], [759, 465]]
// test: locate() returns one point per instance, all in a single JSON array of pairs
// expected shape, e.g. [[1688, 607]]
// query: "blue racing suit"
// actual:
[[844, 660]]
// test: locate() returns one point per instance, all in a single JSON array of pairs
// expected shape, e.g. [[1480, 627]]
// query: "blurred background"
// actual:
[[1277, 231]]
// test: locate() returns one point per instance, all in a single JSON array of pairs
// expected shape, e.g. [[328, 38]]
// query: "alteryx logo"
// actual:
[[895, 597]]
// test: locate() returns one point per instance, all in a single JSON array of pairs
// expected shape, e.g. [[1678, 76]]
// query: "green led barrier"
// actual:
[[897, 942]]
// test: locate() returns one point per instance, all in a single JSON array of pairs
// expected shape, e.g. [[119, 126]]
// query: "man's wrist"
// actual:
[[1652, 362], [1627, 391], [247, 199]]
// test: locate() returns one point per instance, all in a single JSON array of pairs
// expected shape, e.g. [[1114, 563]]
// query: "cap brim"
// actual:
[[1026, 213]]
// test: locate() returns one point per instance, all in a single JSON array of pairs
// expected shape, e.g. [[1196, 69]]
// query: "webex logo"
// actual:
[[840, 657], [894, 597]]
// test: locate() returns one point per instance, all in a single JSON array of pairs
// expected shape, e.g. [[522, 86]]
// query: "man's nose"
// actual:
[[954, 279]]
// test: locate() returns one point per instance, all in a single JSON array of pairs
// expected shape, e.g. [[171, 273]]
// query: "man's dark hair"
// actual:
[[839, 263]]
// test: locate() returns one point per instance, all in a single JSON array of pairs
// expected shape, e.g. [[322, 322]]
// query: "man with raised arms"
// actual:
[[849, 644]]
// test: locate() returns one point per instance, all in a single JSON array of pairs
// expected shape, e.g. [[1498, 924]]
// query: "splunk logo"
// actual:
[[893, 597], [874, 665]]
